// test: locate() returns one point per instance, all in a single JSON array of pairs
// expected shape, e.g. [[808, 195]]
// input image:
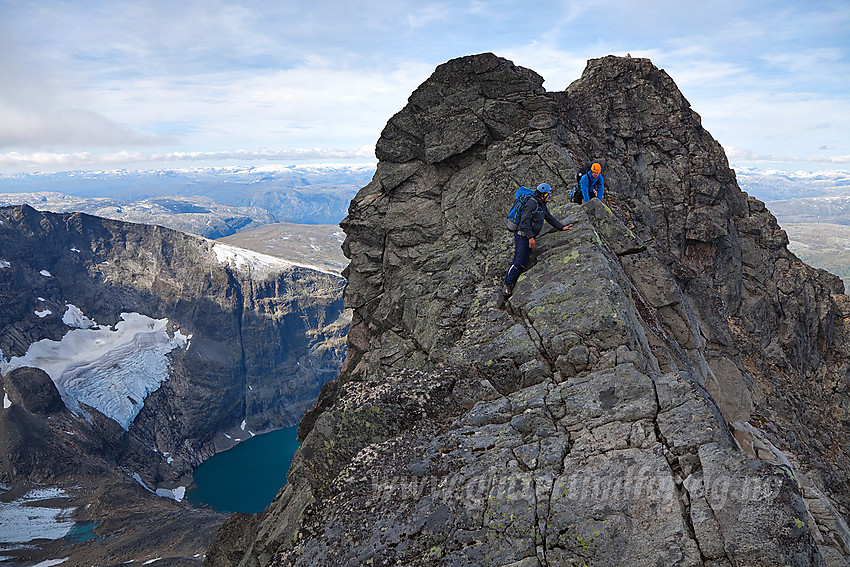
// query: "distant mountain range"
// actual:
[[196, 215], [211, 202], [832, 209], [216, 202], [772, 185], [814, 210]]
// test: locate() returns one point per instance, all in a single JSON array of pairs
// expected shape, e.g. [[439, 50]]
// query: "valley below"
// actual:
[[822, 245], [130, 354]]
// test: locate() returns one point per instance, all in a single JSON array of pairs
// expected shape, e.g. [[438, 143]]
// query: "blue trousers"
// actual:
[[520, 262]]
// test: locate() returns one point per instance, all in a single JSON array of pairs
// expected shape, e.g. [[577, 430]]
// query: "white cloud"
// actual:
[[36, 126], [38, 111], [304, 106], [201, 78], [748, 156], [767, 121], [428, 14], [557, 67]]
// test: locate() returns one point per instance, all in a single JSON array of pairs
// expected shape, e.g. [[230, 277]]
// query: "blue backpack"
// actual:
[[521, 196]]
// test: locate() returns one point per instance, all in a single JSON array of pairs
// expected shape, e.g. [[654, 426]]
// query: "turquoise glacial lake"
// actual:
[[247, 477]]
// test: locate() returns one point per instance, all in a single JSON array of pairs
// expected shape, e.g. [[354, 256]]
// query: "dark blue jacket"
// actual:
[[588, 183], [534, 212]]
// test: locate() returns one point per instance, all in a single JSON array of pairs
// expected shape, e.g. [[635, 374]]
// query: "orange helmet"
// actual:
[[596, 168]]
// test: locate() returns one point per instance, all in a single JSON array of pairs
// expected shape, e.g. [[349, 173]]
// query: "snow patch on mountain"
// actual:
[[43, 313], [138, 478], [28, 517], [5, 264], [255, 264], [176, 494], [46, 274], [111, 370], [52, 562], [74, 318]]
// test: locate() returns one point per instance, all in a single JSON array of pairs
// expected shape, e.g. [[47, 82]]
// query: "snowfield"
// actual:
[[111, 370], [24, 520]]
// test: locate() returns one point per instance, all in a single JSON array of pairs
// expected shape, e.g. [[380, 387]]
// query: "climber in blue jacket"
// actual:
[[534, 213], [592, 184]]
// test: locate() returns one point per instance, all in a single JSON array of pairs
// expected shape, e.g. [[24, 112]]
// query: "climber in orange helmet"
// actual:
[[592, 184]]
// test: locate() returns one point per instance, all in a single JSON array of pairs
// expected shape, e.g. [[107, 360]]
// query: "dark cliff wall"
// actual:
[[665, 386]]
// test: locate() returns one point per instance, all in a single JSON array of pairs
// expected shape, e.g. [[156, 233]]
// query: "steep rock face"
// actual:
[[664, 387], [166, 347]]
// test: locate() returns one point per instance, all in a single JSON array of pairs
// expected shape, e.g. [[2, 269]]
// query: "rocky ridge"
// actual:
[[246, 343], [667, 385]]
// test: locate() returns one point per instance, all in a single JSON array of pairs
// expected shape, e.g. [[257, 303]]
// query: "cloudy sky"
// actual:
[[97, 83]]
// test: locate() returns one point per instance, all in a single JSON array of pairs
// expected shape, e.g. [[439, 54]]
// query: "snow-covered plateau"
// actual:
[[254, 263], [111, 370]]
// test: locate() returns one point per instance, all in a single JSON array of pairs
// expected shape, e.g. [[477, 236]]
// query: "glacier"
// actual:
[[111, 370]]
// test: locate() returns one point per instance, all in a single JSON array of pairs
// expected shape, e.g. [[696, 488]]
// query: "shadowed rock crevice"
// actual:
[[616, 410]]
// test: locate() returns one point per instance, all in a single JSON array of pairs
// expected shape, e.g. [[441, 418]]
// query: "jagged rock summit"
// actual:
[[667, 385]]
